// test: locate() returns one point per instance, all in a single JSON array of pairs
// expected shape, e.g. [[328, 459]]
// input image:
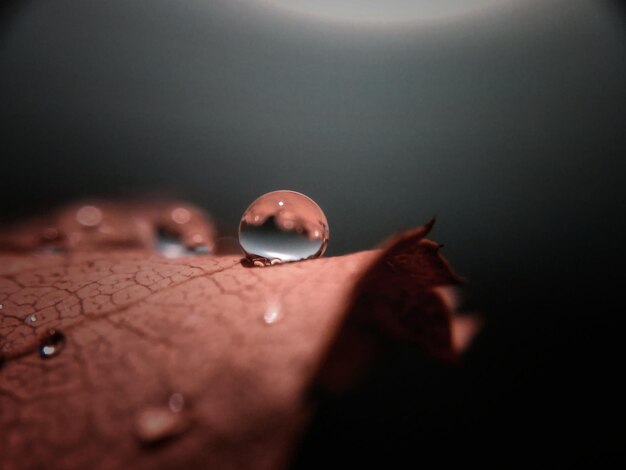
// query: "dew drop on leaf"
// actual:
[[271, 316], [52, 344], [283, 226], [171, 247], [156, 424]]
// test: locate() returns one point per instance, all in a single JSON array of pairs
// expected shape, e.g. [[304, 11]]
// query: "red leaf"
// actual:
[[239, 346]]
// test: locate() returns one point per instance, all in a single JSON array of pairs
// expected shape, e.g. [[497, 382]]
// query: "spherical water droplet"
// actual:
[[1, 306], [52, 344], [271, 316], [283, 226], [156, 424], [30, 319]]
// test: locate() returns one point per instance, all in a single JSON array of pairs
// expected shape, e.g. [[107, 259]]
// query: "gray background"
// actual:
[[507, 123]]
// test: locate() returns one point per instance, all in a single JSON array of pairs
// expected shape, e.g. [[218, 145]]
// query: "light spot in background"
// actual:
[[180, 215], [387, 11], [89, 216]]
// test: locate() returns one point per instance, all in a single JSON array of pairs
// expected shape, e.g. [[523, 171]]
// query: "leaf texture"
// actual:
[[243, 346]]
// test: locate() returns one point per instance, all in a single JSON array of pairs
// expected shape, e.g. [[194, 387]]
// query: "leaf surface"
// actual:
[[242, 346]]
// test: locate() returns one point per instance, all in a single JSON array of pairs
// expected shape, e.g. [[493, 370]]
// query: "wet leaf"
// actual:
[[243, 346]]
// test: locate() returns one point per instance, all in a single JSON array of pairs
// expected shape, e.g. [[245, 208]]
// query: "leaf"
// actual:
[[240, 346]]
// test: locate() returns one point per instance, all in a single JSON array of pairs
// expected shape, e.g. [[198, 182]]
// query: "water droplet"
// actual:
[[172, 247], [271, 316], [1, 306], [30, 319], [283, 226], [176, 402], [89, 216], [156, 424], [52, 344]]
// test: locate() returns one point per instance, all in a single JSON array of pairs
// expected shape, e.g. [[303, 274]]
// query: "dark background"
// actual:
[[507, 123]]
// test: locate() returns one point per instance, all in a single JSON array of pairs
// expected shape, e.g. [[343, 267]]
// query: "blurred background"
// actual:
[[504, 118]]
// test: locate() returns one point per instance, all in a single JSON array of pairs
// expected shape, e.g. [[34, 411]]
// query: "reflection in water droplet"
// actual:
[[30, 319], [52, 344], [89, 216], [156, 424], [176, 402], [283, 226]]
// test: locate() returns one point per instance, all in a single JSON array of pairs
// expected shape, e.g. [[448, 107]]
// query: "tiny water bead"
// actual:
[[52, 344], [283, 226], [271, 316], [155, 424], [30, 319]]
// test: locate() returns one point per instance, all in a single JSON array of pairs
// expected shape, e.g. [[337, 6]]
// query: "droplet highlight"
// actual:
[[283, 226], [52, 344], [31, 319]]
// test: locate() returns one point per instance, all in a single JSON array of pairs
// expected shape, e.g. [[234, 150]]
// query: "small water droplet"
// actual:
[[172, 247], [271, 316], [30, 319], [1, 306], [283, 226], [89, 216], [52, 344], [156, 424], [176, 402]]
